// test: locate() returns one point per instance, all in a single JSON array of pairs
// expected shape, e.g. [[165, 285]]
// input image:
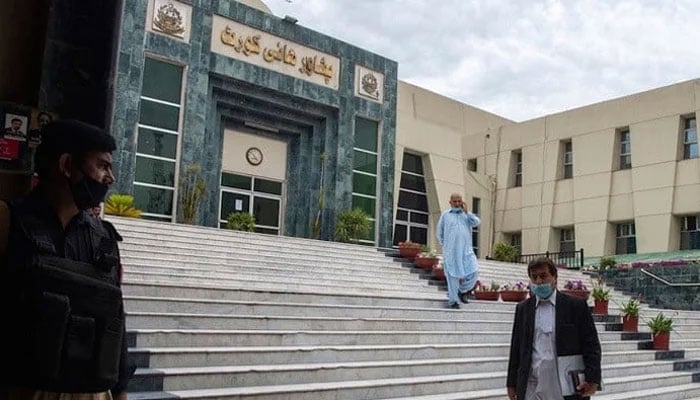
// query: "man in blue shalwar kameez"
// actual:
[[454, 231]]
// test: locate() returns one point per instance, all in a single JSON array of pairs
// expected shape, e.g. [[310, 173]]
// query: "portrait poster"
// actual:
[[21, 135]]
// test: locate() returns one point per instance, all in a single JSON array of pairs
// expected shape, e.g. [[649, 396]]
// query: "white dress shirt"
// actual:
[[543, 383]]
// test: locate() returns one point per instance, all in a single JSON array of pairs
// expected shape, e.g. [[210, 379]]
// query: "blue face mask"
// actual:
[[542, 291], [456, 209]]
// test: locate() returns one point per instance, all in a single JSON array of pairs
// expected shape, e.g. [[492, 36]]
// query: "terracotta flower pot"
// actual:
[[439, 273], [484, 295], [426, 263], [409, 252], [629, 323], [600, 307], [513, 295], [661, 340], [578, 293]]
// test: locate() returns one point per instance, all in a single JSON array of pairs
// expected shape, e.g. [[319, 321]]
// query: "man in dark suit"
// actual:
[[548, 325]]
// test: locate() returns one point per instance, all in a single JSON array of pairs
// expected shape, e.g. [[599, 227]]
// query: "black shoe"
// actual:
[[453, 305], [463, 297]]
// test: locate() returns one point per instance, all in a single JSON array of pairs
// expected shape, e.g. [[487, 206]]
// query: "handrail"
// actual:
[[667, 283], [573, 259]]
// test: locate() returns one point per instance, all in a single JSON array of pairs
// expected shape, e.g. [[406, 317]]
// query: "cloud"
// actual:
[[519, 59]]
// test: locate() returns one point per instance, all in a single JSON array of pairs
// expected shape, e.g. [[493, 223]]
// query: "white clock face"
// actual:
[[254, 156]]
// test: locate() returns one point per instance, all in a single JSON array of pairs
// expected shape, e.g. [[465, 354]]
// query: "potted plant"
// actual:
[[600, 295], [661, 327], [483, 292], [630, 315], [606, 263], [240, 221], [575, 287], [121, 205], [426, 259], [352, 226], [514, 292], [439, 272], [409, 249], [505, 252]]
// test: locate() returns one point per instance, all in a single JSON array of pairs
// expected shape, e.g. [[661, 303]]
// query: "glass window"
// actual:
[[626, 241], [472, 165], [413, 182], [516, 240], [156, 143], [412, 163], [419, 218], [625, 150], [690, 139], [157, 172], [402, 215], [364, 184], [266, 186], [162, 80], [568, 160], [690, 233], [400, 233], [413, 201], [365, 204], [475, 241], [476, 205], [266, 211], [518, 181], [236, 181], [366, 133], [419, 234], [567, 241], [153, 200], [234, 202], [365, 162], [159, 115]]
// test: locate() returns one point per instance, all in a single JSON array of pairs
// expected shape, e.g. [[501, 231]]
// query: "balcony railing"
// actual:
[[570, 259]]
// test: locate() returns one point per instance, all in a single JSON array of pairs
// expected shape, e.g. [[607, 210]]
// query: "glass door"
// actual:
[[258, 196]]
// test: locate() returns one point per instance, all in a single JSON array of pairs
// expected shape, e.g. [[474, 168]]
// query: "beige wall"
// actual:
[[236, 144], [433, 126], [657, 189]]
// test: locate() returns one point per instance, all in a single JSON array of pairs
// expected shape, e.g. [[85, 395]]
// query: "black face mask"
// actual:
[[88, 193]]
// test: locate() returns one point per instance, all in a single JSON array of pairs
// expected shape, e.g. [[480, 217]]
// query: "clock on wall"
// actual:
[[254, 156]]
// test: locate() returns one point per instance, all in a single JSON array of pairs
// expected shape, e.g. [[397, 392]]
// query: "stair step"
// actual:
[[487, 312]]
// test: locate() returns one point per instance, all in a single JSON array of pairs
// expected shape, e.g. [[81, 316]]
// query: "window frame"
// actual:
[[252, 194], [374, 220], [625, 161], [518, 168], [564, 240], [567, 159], [624, 232], [181, 111], [690, 124], [684, 230]]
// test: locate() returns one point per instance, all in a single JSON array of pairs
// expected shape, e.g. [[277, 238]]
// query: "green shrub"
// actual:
[[600, 293], [660, 324], [606, 263], [505, 252], [630, 308], [122, 205], [352, 225], [241, 221]]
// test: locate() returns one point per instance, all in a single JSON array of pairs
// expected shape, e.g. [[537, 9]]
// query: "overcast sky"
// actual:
[[519, 59]]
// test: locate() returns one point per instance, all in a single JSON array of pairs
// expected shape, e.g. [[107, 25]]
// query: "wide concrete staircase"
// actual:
[[214, 314]]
